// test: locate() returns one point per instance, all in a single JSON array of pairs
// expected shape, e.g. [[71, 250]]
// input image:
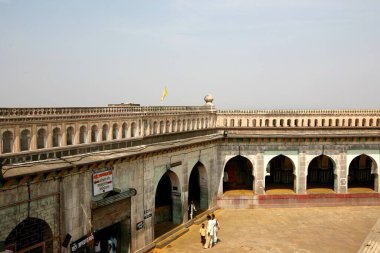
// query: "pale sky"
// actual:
[[301, 54]]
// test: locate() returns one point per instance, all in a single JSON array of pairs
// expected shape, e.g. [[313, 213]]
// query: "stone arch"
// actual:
[[94, 133], [105, 132], [167, 127], [362, 173], [162, 126], [155, 127], [168, 206], [33, 234], [70, 136], [238, 174], [198, 186], [57, 137], [124, 130], [25, 140], [280, 173], [41, 138], [173, 126], [115, 131], [7, 142], [82, 135], [321, 173], [133, 129]]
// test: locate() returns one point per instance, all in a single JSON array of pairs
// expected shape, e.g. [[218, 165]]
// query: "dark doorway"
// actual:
[[238, 174], [321, 173], [198, 188], [168, 206], [362, 173], [194, 187], [280, 170]]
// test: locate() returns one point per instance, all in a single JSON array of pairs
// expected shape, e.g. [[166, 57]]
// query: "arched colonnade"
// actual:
[[291, 172]]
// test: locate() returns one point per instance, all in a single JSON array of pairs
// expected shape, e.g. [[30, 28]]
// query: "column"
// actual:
[[63, 132], [33, 141], [49, 136], [16, 143], [301, 187], [260, 174]]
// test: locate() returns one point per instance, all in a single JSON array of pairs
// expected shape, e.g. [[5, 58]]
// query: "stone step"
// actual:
[[169, 237]]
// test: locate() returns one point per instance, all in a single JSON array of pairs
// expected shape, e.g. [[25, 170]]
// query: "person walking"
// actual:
[[216, 228], [192, 209], [210, 232], [202, 232]]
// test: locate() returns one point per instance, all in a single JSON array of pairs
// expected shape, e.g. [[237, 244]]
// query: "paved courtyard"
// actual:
[[283, 230]]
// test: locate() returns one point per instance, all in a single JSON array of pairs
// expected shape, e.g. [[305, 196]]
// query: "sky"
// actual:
[[248, 54]]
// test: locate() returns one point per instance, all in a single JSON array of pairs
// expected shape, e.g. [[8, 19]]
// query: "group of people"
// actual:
[[209, 233]]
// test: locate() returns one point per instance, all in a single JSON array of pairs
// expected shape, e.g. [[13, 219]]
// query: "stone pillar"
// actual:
[[76, 133], [302, 175], [63, 139], [16, 144], [110, 131], [33, 138], [120, 130], [88, 128], [260, 174], [340, 173], [49, 136], [177, 209]]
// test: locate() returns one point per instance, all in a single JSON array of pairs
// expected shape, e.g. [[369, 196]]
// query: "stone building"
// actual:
[[72, 177]]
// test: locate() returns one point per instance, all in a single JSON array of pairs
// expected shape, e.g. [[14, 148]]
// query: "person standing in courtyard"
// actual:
[[216, 228], [210, 232], [192, 209], [202, 232]]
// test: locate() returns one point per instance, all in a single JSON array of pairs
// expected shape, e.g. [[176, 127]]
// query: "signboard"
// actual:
[[148, 213], [83, 245], [102, 182], [139, 225]]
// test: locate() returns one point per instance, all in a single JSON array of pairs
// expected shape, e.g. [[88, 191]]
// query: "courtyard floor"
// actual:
[[284, 230]]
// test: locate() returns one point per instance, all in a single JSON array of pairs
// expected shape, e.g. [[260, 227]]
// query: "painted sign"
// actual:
[[83, 245], [148, 213], [102, 182], [139, 225]]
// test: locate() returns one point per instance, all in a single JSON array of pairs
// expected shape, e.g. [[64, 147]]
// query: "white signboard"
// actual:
[[102, 182]]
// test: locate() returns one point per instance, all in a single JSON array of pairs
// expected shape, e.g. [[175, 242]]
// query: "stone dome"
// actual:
[[208, 99]]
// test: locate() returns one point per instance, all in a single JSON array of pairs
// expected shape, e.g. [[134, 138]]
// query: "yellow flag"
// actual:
[[164, 94]]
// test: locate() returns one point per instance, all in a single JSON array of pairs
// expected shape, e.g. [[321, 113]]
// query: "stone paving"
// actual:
[[283, 230]]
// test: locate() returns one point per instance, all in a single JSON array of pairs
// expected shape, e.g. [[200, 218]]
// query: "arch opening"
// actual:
[[280, 177], [320, 176], [31, 235], [168, 205], [238, 175], [198, 189], [362, 174]]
